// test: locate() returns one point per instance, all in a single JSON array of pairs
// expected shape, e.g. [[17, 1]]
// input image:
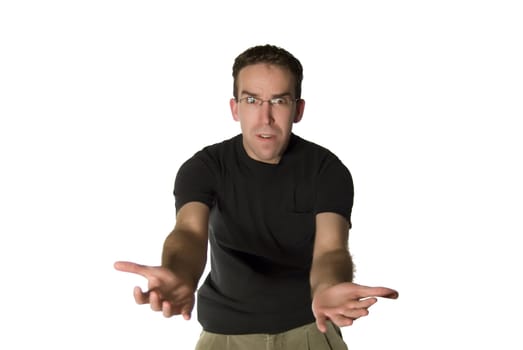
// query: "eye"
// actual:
[[279, 101], [250, 100]]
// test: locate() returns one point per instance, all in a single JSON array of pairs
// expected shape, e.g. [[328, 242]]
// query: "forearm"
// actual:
[[331, 268], [185, 254]]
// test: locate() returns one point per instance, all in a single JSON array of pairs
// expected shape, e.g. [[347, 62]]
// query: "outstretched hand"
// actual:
[[166, 292], [343, 303]]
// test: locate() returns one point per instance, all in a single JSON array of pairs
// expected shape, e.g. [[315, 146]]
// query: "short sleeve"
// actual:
[[335, 189], [195, 182]]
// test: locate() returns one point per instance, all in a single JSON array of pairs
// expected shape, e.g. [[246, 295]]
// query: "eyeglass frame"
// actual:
[[259, 101]]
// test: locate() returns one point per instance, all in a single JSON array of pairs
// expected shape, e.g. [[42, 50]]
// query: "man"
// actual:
[[276, 210]]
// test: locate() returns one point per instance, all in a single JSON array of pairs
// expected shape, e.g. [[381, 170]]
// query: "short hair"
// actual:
[[269, 54]]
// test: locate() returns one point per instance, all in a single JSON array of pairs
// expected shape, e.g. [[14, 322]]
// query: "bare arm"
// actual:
[[185, 248], [335, 297], [331, 262], [171, 286]]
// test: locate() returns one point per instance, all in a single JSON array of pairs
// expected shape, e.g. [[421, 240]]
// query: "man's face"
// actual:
[[266, 128]]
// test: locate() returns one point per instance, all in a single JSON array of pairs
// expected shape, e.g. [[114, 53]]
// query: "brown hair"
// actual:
[[269, 54]]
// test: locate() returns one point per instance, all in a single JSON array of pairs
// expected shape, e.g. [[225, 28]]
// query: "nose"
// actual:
[[266, 113]]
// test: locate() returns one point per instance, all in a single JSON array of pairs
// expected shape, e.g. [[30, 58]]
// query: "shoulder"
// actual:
[[312, 152], [213, 155], [220, 148], [198, 178]]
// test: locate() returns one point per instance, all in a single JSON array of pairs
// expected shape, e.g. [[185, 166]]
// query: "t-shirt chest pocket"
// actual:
[[302, 198], [295, 228]]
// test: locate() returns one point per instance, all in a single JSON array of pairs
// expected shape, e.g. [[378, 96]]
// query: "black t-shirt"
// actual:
[[261, 231]]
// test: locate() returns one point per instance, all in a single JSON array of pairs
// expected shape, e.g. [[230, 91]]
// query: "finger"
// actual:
[[366, 303], [353, 314], [140, 297], [383, 292], [391, 295], [387, 293], [342, 321], [355, 304], [127, 266], [321, 323], [167, 309], [155, 301], [183, 308], [186, 312]]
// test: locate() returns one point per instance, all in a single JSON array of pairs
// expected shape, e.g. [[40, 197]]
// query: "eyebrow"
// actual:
[[245, 92]]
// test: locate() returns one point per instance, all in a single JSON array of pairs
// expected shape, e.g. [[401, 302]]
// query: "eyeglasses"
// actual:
[[278, 102]]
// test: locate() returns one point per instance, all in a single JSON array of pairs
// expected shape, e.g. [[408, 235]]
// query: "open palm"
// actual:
[[167, 292], [345, 302]]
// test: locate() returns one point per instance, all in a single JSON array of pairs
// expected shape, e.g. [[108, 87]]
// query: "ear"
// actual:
[[234, 109], [300, 108]]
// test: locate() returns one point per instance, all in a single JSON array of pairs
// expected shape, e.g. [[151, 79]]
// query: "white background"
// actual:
[[101, 102]]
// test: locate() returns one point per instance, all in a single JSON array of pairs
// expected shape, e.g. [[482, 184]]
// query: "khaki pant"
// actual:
[[301, 338]]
